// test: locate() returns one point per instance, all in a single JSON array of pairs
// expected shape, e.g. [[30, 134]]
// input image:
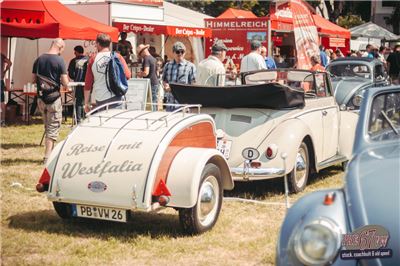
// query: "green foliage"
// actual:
[[350, 21], [216, 8]]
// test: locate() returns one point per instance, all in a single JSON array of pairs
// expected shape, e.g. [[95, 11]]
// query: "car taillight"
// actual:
[[271, 151], [44, 181], [161, 194]]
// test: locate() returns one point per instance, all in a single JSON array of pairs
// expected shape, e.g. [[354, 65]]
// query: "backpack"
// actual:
[[115, 76]]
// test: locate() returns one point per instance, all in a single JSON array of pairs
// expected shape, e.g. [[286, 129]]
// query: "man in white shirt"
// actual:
[[211, 71], [254, 60]]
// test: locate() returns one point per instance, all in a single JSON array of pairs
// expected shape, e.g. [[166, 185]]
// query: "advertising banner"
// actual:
[[236, 33], [305, 33]]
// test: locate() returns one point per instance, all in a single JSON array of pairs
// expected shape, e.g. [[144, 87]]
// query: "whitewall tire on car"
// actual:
[[301, 170], [203, 216]]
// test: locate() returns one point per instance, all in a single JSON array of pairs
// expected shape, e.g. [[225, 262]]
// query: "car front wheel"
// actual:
[[203, 216], [299, 176]]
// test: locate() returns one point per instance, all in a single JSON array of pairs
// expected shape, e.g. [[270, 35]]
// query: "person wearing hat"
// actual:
[[211, 71], [149, 71], [177, 70], [253, 60]]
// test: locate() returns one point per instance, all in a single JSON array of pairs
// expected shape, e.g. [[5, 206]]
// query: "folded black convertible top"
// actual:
[[267, 95]]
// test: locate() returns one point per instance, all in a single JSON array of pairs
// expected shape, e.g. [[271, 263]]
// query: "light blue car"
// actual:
[[360, 223]]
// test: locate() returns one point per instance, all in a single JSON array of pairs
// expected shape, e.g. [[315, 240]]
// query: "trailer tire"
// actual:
[[204, 214], [64, 210]]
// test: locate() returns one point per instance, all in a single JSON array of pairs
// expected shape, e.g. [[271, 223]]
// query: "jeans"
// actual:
[[79, 102], [154, 96]]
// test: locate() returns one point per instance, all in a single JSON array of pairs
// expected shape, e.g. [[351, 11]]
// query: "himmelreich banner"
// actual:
[[305, 34]]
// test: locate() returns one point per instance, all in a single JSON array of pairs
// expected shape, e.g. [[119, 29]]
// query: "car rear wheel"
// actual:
[[203, 216], [301, 170], [64, 210]]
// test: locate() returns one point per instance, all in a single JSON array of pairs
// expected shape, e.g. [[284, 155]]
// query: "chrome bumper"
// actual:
[[256, 173]]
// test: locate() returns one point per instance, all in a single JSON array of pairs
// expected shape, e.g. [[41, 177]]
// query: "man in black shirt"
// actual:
[[149, 71], [77, 71], [49, 72], [393, 63]]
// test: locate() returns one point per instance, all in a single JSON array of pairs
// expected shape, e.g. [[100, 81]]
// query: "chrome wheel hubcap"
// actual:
[[301, 167], [207, 202]]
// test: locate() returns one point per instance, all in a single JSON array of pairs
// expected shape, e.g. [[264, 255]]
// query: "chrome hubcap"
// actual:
[[301, 167], [207, 202]]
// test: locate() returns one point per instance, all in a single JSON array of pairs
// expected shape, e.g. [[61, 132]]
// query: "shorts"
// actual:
[[3, 88], [52, 117]]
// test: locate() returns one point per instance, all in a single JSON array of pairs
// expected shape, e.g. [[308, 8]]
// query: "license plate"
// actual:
[[224, 146], [102, 213]]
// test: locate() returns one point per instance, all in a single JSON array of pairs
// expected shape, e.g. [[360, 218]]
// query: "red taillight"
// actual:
[[255, 164], [269, 152], [43, 181], [329, 198], [161, 189]]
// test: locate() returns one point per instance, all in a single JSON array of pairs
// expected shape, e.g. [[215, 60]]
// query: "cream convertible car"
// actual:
[[280, 122]]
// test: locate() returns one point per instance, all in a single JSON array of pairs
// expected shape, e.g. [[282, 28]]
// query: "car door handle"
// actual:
[[324, 112]]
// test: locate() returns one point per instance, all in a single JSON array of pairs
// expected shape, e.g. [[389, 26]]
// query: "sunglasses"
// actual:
[[180, 52]]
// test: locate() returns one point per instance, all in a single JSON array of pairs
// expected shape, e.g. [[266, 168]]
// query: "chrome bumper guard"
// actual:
[[248, 172]]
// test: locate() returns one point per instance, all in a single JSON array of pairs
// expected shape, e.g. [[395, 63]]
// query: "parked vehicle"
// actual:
[[276, 113], [360, 223], [117, 161], [352, 75]]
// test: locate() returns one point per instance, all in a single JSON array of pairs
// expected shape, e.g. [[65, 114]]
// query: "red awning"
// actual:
[[48, 19], [163, 29], [237, 13], [326, 27]]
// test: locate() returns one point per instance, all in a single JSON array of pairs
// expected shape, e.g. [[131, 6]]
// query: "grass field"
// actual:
[[33, 234]]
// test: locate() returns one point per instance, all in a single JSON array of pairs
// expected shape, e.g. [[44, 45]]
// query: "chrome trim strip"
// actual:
[[271, 172]]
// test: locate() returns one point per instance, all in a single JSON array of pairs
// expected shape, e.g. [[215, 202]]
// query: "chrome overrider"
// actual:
[[247, 171]]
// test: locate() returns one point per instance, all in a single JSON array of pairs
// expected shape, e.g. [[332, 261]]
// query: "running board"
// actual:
[[331, 161]]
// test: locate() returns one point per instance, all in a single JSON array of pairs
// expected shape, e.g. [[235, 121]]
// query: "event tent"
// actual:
[[48, 19], [236, 13], [371, 30]]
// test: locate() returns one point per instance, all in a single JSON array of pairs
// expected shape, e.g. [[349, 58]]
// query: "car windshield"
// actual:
[[302, 80], [350, 70], [384, 120]]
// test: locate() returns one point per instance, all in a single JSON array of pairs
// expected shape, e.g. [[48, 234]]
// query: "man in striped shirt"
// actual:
[[178, 70]]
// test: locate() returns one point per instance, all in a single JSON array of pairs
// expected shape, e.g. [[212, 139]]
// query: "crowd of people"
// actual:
[[50, 73]]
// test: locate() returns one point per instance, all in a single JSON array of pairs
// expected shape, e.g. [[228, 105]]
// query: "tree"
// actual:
[[350, 21], [394, 19]]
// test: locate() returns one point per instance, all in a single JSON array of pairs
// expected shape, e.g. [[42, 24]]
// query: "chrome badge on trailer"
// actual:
[[97, 186]]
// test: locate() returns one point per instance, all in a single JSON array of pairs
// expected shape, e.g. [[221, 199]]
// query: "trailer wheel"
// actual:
[[301, 170], [203, 216], [64, 210]]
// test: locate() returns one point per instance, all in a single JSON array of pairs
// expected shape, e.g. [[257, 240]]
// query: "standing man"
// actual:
[[178, 70], [393, 63], [5, 66], [125, 47], [253, 60], [77, 71], [149, 71], [323, 56], [211, 71], [95, 78], [49, 72], [269, 61]]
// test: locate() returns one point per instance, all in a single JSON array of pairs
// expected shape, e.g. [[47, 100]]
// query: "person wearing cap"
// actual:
[[253, 60], [211, 71], [149, 71], [177, 70]]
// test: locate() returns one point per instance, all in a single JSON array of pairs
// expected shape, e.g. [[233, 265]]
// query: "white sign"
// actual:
[[138, 92]]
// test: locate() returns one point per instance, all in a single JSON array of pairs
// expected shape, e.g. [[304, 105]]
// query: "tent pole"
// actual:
[[269, 38]]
